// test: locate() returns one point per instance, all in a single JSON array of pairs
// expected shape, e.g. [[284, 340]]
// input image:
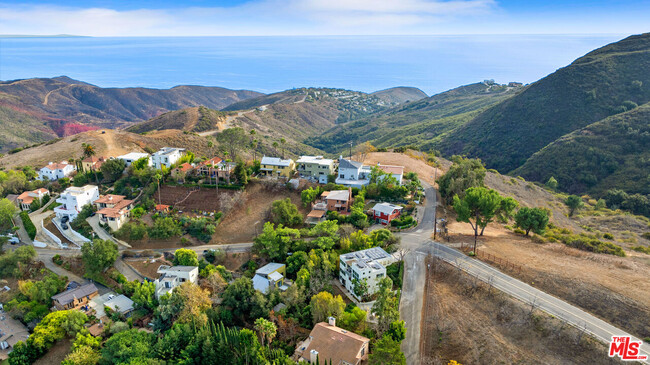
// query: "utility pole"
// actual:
[[350, 150]]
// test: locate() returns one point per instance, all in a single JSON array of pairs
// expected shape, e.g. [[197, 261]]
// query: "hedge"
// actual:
[[28, 224]]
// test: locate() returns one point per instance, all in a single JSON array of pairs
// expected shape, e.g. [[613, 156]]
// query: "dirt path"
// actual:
[[226, 124]]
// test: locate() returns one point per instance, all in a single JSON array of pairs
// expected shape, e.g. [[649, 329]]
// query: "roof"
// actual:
[[316, 213], [120, 303], [349, 164], [212, 161], [94, 159], [275, 161], [133, 156], [161, 207], [168, 150], [76, 190], [57, 166], [390, 169], [179, 268], [371, 259], [69, 295], [337, 195], [315, 159], [112, 212], [335, 343], [269, 268], [110, 199], [185, 167], [12, 330], [260, 283], [25, 197], [275, 276], [386, 208]]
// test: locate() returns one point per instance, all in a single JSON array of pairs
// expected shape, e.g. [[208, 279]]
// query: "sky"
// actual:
[[321, 17]]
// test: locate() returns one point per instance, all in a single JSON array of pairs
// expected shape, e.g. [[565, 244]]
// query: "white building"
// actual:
[[167, 156], [369, 265], [353, 173], [173, 276], [73, 199], [55, 171], [131, 157]]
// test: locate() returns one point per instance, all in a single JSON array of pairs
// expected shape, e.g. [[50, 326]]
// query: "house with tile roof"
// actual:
[[216, 169], [179, 173], [25, 199], [328, 343], [55, 171], [93, 163], [113, 210]]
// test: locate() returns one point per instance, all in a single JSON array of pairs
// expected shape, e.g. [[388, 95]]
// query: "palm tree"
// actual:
[[158, 177], [266, 329], [254, 145], [88, 150], [283, 141]]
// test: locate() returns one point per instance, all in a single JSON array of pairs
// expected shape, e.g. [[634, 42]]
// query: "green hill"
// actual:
[[417, 123], [605, 82], [611, 153]]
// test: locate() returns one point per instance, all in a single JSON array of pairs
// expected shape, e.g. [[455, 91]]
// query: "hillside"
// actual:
[[611, 153], [400, 95], [607, 81], [416, 123], [61, 101], [195, 119]]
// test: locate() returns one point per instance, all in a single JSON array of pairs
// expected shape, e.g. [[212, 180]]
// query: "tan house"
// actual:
[[277, 167], [113, 210], [327, 342], [92, 163], [338, 200], [75, 297], [25, 199], [216, 168]]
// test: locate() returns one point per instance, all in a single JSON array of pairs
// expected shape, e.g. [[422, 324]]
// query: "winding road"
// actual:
[[419, 244]]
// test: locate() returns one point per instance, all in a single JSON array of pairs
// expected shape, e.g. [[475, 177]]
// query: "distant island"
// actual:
[[42, 36]]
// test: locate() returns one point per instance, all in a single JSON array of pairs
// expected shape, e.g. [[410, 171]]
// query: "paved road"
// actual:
[[598, 328], [101, 232]]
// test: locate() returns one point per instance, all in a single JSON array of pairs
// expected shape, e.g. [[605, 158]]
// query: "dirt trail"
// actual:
[[226, 124]]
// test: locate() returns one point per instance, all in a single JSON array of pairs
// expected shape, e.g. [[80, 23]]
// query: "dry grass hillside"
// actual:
[[107, 142], [613, 288]]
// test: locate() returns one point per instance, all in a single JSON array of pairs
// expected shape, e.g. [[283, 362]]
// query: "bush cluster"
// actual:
[[28, 224]]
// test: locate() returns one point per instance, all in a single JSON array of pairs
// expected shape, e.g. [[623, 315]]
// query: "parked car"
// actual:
[[65, 219], [93, 214], [14, 240], [64, 226]]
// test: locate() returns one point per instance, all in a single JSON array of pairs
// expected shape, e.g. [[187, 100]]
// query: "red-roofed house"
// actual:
[[55, 171], [25, 199], [92, 163], [216, 168], [113, 210], [179, 173]]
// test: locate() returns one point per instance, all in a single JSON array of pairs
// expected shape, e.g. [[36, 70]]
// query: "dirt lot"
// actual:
[[414, 162], [244, 222], [198, 199], [56, 354], [469, 322]]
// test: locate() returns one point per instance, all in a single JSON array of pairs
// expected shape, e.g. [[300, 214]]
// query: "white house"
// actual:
[[73, 199], [167, 156], [173, 276], [55, 171], [131, 157], [369, 265], [352, 173]]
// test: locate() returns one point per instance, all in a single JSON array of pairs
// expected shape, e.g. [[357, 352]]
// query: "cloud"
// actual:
[[261, 17]]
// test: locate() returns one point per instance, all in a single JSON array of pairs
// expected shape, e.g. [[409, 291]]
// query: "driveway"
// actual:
[[101, 232]]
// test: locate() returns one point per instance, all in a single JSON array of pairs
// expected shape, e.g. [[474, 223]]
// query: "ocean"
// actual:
[[268, 64]]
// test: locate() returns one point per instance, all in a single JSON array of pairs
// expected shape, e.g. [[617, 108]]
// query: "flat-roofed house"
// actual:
[[277, 167], [327, 342], [315, 167], [173, 276], [166, 156], [73, 199], [55, 171], [25, 199], [75, 298], [131, 157], [369, 265]]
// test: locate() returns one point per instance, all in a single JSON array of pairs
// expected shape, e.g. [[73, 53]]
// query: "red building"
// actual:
[[385, 212]]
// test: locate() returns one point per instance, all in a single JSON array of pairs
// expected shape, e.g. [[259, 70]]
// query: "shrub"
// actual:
[[519, 231], [642, 249], [28, 224], [57, 259], [646, 235]]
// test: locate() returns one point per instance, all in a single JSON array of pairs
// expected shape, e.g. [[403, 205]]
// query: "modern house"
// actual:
[[75, 297], [131, 157], [338, 200], [120, 303], [216, 168], [113, 210], [315, 167], [353, 173], [369, 265], [25, 199], [55, 171], [93, 163], [277, 167], [173, 276], [166, 156], [73, 199], [385, 212], [270, 276], [11, 332], [330, 344]]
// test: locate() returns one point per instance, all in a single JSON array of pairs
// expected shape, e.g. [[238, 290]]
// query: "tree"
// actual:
[[88, 150], [185, 257], [325, 305], [386, 352], [7, 210], [283, 211], [552, 183], [362, 150], [122, 347], [242, 298], [465, 173], [113, 169], [296, 261], [360, 288], [144, 295], [574, 203], [241, 173], [98, 255], [397, 331], [386, 306], [283, 142], [165, 227], [507, 205], [534, 219], [353, 319], [232, 140], [308, 196], [477, 207], [274, 243], [266, 329]]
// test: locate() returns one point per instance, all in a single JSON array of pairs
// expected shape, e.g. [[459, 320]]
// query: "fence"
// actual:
[[51, 235], [491, 258]]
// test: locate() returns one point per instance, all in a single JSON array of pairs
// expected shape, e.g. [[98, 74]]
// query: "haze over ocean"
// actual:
[[268, 64]]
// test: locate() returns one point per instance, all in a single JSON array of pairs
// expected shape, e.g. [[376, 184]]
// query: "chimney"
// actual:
[[49, 163], [313, 357], [110, 197], [332, 321]]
